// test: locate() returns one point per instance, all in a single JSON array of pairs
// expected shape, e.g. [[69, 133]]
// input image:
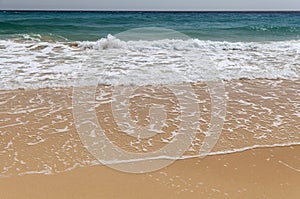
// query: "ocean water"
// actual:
[[81, 26], [51, 48]]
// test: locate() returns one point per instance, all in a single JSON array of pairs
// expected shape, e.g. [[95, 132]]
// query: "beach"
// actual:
[[149, 105], [247, 174], [43, 156]]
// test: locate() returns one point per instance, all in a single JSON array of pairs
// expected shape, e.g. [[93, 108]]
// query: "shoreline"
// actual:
[[253, 173], [38, 134], [225, 81]]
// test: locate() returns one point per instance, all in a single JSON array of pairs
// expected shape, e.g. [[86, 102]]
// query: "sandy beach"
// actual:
[[256, 156], [258, 173]]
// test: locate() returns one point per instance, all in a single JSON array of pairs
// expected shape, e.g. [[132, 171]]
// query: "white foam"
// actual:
[[35, 64], [198, 156]]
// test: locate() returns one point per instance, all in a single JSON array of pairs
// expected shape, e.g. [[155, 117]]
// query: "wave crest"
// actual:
[[34, 62]]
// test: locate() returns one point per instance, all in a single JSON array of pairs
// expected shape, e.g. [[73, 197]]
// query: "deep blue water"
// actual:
[[222, 26]]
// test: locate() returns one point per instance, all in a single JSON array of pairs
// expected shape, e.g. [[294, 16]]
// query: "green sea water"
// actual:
[[220, 26]]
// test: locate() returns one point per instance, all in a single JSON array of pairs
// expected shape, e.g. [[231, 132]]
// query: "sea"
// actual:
[[40, 49]]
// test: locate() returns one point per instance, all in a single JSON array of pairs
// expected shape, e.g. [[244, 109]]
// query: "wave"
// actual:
[[237, 150], [87, 163], [20, 27], [265, 28], [38, 61]]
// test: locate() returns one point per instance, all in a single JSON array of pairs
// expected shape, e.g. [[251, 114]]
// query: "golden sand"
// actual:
[[42, 155]]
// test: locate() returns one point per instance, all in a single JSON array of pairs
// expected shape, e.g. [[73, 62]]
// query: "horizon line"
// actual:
[[124, 10]]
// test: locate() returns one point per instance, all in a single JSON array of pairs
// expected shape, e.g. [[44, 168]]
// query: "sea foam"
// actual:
[[34, 63]]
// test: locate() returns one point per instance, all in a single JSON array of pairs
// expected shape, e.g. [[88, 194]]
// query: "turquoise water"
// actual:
[[220, 26], [40, 49]]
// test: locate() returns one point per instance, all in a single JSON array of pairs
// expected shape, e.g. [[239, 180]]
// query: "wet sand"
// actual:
[[259, 173], [42, 155]]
